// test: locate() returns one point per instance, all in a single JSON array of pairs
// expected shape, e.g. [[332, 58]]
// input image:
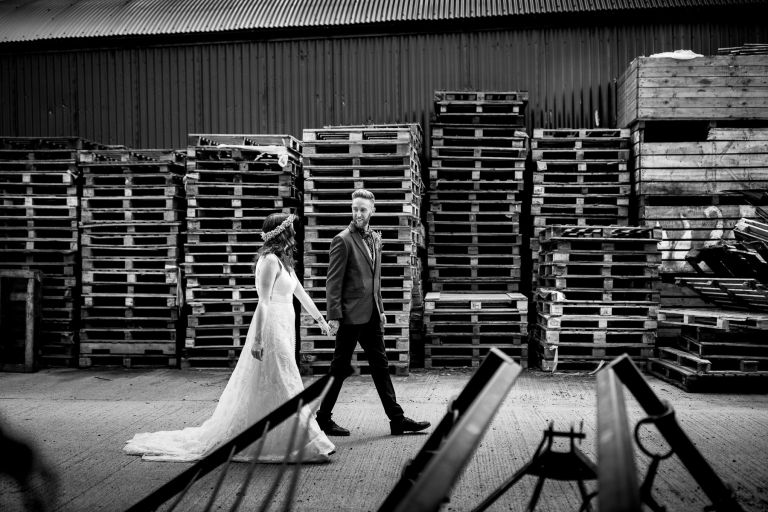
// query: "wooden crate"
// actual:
[[711, 87]]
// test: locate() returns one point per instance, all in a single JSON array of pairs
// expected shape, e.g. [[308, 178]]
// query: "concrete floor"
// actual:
[[80, 420]]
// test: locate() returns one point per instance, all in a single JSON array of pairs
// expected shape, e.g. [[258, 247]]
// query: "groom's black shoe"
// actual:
[[400, 427], [331, 428]]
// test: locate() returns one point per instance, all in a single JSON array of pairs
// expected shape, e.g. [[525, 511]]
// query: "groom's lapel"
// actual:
[[361, 246]]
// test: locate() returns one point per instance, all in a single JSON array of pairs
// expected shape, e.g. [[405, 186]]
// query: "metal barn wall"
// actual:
[[153, 96]]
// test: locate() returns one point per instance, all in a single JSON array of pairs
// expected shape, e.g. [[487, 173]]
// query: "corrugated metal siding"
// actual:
[[29, 20], [153, 97]]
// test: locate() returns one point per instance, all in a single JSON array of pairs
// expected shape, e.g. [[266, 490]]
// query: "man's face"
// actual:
[[362, 210]]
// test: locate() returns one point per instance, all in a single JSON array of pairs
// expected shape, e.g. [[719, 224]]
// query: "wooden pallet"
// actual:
[[128, 361], [127, 335], [721, 319], [275, 153], [585, 358], [470, 355], [464, 274], [730, 292], [288, 141], [567, 134], [560, 207], [576, 351], [368, 148], [250, 223], [475, 301], [131, 300], [580, 220], [713, 349], [597, 256], [319, 361], [468, 181], [450, 109], [476, 285], [447, 131], [690, 380], [583, 321], [488, 96], [466, 138], [601, 232], [598, 269], [623, 284], [511, 119]]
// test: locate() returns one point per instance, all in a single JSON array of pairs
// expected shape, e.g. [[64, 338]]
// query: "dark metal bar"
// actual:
[[490, 364], [217, 457], [429, 478], [722, 497], [616, 472]]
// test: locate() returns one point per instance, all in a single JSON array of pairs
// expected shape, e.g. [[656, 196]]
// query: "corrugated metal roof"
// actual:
[[30, 20]]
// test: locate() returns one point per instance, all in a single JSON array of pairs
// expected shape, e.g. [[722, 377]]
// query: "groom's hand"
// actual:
[[334, 324]]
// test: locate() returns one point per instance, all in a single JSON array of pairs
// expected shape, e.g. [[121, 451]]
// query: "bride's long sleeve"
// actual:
[[307, 302], [265, 280]]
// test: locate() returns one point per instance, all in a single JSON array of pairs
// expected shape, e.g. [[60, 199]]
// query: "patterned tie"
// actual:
[[368, 238]]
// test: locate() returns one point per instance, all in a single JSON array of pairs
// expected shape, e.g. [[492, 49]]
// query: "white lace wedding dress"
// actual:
[[255, 388]]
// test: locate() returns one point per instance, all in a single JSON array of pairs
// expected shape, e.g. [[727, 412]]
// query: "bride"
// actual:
[[266, 374]]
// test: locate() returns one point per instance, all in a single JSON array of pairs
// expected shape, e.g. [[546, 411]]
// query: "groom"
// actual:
[[356, 314]]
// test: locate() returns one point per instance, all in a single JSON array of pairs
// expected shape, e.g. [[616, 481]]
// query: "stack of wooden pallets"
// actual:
[[598, 295], [476, 182], [479, 149], [385, 160], [463, 327], [718, 350], [233, 183], [39, 205], [131, 223], [581, 178]]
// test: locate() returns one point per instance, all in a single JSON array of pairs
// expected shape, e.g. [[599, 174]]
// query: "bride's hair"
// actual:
[[281, 245]]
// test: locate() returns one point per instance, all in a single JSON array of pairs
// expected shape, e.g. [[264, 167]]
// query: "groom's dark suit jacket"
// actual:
[[354, 281]]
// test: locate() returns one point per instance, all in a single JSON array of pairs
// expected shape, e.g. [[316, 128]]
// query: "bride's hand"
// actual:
[[257, 350], [324, 327]]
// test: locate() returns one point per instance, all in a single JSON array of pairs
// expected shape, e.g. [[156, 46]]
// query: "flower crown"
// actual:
[[279, 229]]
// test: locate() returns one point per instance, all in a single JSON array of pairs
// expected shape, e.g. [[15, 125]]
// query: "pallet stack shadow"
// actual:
[[39, 207], [581, 179], [476, 183], [695, 138], [131, 223], [385, 160], [233, 183], [598, 295]]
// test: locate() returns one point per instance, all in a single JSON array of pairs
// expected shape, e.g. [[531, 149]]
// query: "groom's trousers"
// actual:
[[371, 338]]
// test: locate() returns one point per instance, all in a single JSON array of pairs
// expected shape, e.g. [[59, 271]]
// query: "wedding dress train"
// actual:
[[255, 389]]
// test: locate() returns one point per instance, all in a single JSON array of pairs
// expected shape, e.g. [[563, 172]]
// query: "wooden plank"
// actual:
[[703, 148]]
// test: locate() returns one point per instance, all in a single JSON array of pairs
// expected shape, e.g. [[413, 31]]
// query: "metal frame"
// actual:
[[428, 479], [662, 415], [616, 471]]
